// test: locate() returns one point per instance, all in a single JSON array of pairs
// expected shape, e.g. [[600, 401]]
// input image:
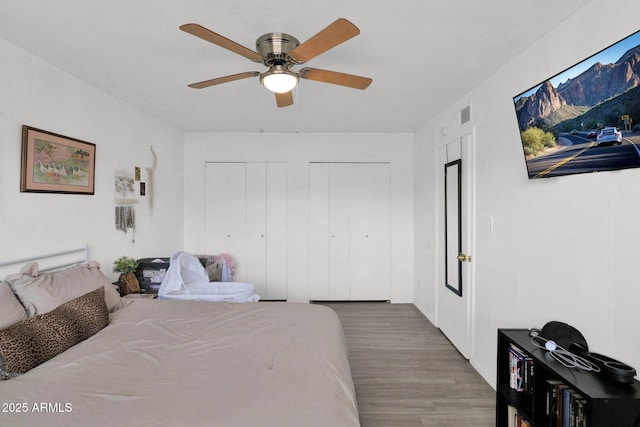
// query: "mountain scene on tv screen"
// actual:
[[568, 128]]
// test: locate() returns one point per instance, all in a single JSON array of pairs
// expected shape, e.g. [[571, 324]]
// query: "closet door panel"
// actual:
[[225, 209], [370, 234], [340, 234], [253, 268], [215, 208], [319, 232], [276, 231]]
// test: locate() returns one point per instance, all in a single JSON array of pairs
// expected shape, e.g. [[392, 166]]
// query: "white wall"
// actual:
[[298, 150], [35, 93], [563, 248]]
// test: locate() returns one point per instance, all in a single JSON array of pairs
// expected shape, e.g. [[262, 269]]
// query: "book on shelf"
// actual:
[[576, 410], [512, 416], [564, 406], [551, 402], [566, 410], [580, 412], [560, 388], [515, 419], [521, 370]]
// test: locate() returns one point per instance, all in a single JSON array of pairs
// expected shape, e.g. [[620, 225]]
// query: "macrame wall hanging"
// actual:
[[126, 219], [125, 198]]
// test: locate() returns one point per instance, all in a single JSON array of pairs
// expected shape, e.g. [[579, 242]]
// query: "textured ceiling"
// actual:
[[420, 53]]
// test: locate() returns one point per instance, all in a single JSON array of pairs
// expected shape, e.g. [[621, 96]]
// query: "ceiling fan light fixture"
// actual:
[[279, 79]]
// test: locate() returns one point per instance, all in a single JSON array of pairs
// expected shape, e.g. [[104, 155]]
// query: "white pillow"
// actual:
[[42, 292], [11, 311]]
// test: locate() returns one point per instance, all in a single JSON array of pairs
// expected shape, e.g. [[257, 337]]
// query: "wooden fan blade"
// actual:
[[210, 36], [284, 99], [226, 79], [333, 77], [339, 31]]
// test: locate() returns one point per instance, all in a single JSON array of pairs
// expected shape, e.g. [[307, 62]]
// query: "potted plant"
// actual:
[[127, 281]]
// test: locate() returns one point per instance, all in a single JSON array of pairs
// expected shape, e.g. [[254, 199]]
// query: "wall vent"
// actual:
[[465, 115]]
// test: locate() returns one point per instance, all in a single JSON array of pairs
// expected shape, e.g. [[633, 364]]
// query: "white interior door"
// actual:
[[455, 234], [340, 231], [370, 234], [225, 209], [319, 232], [276, 232], [253, 267]]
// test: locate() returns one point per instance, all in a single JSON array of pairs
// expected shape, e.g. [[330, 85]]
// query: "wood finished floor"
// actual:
[[406, 372]]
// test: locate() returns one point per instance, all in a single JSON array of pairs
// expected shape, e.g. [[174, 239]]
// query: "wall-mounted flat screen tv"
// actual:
[[586, 118]]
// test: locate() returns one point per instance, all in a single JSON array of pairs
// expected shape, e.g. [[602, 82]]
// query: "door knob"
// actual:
[[463, 257]]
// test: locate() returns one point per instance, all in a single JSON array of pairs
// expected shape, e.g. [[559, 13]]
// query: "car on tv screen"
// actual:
[[609, 135]]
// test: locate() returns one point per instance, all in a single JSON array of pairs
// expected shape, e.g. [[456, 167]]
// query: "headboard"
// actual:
[[46, 262]]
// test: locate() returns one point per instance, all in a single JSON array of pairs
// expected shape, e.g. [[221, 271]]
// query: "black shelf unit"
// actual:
[[608, 404]]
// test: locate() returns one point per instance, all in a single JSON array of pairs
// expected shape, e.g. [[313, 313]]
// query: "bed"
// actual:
[[168, 362]]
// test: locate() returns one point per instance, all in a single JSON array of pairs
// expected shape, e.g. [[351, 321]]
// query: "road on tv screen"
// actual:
[[584, 155]]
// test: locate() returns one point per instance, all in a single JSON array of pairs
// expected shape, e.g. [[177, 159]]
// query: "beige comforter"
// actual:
[[192, 363]]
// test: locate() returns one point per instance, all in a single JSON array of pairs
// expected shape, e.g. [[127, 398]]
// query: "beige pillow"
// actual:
[[42, 292], [11, 311], [33, 341]]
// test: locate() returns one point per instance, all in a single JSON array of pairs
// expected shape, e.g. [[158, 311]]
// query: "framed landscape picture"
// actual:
[[53, 163]]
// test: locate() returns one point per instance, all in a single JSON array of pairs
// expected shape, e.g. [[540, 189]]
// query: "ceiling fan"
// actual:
[[280, 52]]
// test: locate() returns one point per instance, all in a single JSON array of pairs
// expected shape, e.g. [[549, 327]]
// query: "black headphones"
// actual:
[[615, 370], [557, 337]]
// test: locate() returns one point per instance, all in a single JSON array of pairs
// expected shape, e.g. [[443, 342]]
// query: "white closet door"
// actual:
[[225, 209], [349, 231], [246, 216], [370, 234], [276, 231], [319, 232], [253, 268], [340, 233]]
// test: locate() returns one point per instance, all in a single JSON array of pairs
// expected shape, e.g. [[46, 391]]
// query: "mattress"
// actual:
[[195, 363]]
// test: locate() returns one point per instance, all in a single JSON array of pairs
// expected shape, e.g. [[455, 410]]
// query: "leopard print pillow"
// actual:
[[89, 313], [33, 341]]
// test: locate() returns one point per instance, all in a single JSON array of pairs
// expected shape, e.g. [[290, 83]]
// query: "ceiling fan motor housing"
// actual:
[[275, 48]]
